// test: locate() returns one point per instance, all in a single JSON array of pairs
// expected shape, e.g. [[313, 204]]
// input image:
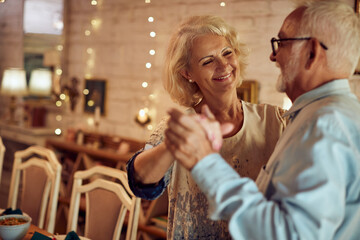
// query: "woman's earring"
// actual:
[[191, 81]]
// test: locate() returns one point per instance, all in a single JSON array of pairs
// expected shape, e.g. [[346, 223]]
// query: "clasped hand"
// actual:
[[191, 137]]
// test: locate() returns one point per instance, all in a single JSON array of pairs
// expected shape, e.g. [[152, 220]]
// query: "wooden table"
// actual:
[[34, 229], [26, 135], [110, 157]]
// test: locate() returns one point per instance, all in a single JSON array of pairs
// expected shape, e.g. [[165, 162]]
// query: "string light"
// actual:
[[90, 63], [59, 47], [95, 23], [58, 118], [62, 96], [143, 117], [91, 121], [58, 103], [144, 84], [94, 2], [87, 33], [58, 131], [86, 91], [58, 71], [222, 4], [88, 75], [90, 103], [152, 96], [89, 50]]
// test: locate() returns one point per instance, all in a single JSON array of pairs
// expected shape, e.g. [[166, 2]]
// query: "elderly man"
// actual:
[[310, 188]]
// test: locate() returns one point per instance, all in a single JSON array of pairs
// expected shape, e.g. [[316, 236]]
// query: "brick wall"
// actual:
[[11, 40], [120, 46]]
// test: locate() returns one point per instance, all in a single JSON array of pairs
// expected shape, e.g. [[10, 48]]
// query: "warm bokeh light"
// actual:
[[90, 103], [148, 65], [222, 4], [142, 117], [58, 71], [152, 96], [144, 84], [152, 52], [152, 34], [58, 118], [90, 63], [151, 19], [90, 121], [58, 131], [95, 23], [86, 91]]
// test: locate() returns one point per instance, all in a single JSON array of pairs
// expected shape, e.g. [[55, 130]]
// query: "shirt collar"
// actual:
[[340, 86]]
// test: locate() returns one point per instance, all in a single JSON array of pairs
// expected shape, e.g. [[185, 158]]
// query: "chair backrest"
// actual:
[[108, 200], [2, 152], [40, 172]]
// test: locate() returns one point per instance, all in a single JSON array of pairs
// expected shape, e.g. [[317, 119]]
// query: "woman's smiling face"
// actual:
[[213, 65]]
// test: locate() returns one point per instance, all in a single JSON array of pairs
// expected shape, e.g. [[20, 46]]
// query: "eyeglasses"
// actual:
[[276, 43]]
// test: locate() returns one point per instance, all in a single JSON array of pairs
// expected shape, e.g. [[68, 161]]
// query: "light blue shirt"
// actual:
[[310, 188]]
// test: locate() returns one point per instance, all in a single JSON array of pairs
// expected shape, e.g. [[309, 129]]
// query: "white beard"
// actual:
[[280, 84], [288, 73]]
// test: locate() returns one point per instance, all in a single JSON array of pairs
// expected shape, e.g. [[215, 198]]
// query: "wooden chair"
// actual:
[[2, 152], [107, 203], [153, 220], [40, 172]]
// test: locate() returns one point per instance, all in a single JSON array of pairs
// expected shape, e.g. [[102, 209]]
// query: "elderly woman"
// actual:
[[205, 64]]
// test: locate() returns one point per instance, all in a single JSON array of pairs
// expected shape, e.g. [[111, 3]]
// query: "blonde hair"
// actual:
[[335, 24], [179, 54]]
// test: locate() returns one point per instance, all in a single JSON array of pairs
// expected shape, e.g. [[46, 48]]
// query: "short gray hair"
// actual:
[[336, 25]]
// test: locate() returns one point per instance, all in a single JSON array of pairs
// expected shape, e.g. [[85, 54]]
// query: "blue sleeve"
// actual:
[[145, 191], [305, 188]]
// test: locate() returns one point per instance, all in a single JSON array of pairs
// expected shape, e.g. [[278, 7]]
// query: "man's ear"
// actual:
[[315, 53]]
